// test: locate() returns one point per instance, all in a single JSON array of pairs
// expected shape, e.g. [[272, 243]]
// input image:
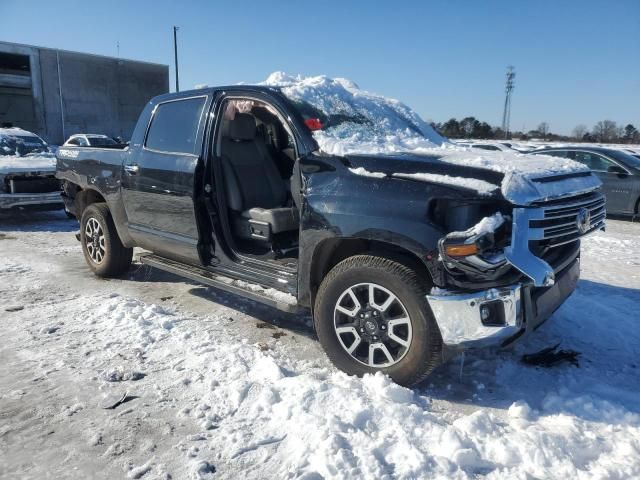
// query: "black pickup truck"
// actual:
[[403, 257]]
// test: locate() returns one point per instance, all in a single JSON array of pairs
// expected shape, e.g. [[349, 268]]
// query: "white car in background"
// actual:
[[91, 140], [27, 171], [492, 146]]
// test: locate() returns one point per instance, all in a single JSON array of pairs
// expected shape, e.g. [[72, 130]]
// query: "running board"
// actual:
[[209, 278]]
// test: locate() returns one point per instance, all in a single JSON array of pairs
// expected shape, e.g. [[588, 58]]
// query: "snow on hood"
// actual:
[[359, 122], [31, 163]]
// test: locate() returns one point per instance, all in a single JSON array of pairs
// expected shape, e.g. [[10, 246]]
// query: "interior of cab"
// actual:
[[257, 153]]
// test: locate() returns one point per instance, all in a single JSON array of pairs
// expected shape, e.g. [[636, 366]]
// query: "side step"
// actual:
[[206, 277]]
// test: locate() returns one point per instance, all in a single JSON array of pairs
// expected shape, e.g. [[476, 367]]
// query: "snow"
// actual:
[[382, 125], [214, 396], [373, 124], [481, 186], [488, 224], [363, 172], [40, 162], [16, 132]]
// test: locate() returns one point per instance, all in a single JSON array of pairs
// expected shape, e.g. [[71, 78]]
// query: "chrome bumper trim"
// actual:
[[567, 222], [459, 321], [518, 253]]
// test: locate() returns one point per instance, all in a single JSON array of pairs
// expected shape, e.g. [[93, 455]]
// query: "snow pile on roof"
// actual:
[[16, 132], [365, 123], [378, 124]]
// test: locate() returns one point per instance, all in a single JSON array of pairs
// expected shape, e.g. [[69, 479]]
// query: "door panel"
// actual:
[[158, 180], [158, 196], [616, 187]]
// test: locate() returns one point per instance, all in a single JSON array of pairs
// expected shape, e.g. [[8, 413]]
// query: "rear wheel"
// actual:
[[371, 314], [103, 251]]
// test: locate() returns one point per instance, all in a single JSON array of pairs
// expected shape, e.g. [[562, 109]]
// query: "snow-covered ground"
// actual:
[[220, 387]]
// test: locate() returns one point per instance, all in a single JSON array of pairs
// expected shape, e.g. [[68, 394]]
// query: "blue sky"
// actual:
[[576, 61]]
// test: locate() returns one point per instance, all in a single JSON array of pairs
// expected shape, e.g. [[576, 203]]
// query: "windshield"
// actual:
[[101, 141], [345, 119], [21, 145]]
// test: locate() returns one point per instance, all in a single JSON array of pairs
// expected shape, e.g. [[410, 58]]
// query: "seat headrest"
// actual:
[[242, 127]]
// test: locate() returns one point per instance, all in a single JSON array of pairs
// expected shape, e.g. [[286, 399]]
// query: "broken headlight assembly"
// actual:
[[478, 252]]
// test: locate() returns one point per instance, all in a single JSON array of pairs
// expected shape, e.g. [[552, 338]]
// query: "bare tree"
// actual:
[[579, 131], [543, 128], [605, 131]]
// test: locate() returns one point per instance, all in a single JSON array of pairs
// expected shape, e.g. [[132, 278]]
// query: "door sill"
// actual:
[[269, 296]]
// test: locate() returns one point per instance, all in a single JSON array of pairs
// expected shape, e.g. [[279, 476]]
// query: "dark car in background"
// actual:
[[618, 170]]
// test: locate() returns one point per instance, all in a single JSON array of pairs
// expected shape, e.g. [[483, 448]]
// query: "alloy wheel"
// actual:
[[373, 325], [94, 240]]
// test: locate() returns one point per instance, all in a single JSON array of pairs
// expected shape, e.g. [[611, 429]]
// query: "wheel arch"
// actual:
[[332, 251], [86, 197]]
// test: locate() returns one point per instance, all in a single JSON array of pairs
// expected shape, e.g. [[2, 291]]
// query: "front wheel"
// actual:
[[104, 252], [371, 314]]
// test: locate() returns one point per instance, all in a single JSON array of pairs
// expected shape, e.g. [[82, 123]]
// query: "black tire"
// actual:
[[116, 258], [424, 352]]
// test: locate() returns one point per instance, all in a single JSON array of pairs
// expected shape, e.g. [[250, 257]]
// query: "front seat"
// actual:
[[256, 193]]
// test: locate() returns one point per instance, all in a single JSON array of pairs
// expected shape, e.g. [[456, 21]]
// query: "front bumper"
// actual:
[[11, 200], [522, 308]]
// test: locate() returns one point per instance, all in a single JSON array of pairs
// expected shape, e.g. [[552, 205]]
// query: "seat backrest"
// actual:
[[251, 176]]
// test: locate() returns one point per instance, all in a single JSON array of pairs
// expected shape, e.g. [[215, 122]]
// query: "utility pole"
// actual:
[[506, 114], [175, 52]]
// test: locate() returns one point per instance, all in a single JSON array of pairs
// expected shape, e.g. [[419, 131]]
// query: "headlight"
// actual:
[[479, 248]]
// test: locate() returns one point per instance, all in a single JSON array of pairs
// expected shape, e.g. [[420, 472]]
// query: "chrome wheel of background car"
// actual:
[[94, 240], [372, 325]]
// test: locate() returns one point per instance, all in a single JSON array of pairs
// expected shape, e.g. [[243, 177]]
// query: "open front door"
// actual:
[[158, 181]]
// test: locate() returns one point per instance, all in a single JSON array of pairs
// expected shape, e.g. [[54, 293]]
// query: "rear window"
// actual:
[[101, 141], [175, 126]]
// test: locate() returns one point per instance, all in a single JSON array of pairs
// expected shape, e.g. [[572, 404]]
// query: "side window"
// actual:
[[73, 141], [593, 161], [174, 126], [83, 142], [555, 153]]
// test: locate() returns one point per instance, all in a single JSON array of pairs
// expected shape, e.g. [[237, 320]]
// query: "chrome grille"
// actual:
[[560, 223]]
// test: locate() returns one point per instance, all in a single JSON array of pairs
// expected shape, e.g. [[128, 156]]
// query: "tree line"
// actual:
[[605, 131]]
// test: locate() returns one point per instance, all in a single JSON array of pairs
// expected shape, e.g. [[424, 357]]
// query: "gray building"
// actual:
[[56, 93]]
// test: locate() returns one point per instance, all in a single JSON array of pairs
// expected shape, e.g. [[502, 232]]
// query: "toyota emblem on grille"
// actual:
[[583, 220]]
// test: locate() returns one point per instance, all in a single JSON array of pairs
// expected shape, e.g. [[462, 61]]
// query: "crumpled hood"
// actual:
[[520, 178], [29, 163], [527, 178]]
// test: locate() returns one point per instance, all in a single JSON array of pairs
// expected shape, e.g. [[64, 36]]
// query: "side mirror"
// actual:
[[617, 169]]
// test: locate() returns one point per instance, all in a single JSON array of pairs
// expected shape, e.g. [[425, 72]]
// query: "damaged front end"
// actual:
[[29, 189], [506, 274]]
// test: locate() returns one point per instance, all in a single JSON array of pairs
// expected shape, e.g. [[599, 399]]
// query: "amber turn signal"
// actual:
[[461, 250]]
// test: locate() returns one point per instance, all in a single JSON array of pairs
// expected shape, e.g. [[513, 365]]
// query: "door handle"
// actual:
[[132, 169]]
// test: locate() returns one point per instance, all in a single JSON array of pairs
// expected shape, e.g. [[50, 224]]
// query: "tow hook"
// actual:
[[78, 235]]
